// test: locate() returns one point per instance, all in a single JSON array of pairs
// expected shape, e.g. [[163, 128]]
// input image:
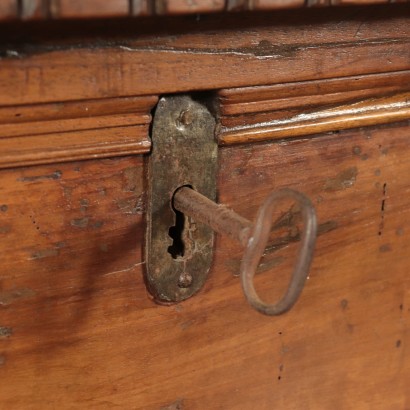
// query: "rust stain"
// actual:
[[67, 192], [398, 343], [80, 222], [131, 205], [55, 175], [345, 179], [4, 208], [5, 229], [176, 405], [385, 248], [233, 265], [97, 224], [104, 247], [45, 253], [399, 231], [357, 150], [84, 204], [7, 298], [131, 178], [5, 332]]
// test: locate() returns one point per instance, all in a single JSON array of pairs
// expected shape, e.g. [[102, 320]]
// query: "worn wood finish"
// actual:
[[88, 8], [283, 100], [8, 9], [79, 329], [59, 9], [206, 54], [34, 9], [47, 133], [296, 109]]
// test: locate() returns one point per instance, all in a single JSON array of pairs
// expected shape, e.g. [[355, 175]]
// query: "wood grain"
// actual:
[[78, 328], [8, 9], [210, 55], [277, 4], [46, 133], [302, 95], [60, 9], [297, 109], [34, 9], [88, 8], [187, 7]]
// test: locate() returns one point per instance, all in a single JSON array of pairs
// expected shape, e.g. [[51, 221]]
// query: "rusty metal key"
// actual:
[[254, 238]]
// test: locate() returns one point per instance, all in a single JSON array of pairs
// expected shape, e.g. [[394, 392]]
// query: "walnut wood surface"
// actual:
[[8, 9], [59, 9], [78, 328], [186, 55], [296, 109], [47, 133]]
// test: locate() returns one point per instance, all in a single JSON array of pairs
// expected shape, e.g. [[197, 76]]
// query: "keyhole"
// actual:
[[175, 232]]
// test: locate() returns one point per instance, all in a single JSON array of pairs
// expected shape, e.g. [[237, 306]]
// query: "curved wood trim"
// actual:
[[73, 146], [60, 132], [296, 109], [367, 113]]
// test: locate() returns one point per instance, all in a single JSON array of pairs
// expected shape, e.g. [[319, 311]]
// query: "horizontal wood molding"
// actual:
[[59, 9], [208, 55], [297, 109], [60, 132]]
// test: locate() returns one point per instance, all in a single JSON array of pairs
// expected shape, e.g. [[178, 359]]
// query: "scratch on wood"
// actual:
[[124, 270], [266, 265], [176, 405], [7, 298], [55, 175], [294, 235], [345, 179], [382, 209], [5, 332], [45, 253], [80, 222]]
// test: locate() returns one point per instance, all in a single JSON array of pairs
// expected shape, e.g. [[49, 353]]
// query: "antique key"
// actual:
[[182, 175], [254, 237]]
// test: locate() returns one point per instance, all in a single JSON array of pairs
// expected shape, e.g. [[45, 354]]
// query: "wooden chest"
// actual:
[[315, 99]]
